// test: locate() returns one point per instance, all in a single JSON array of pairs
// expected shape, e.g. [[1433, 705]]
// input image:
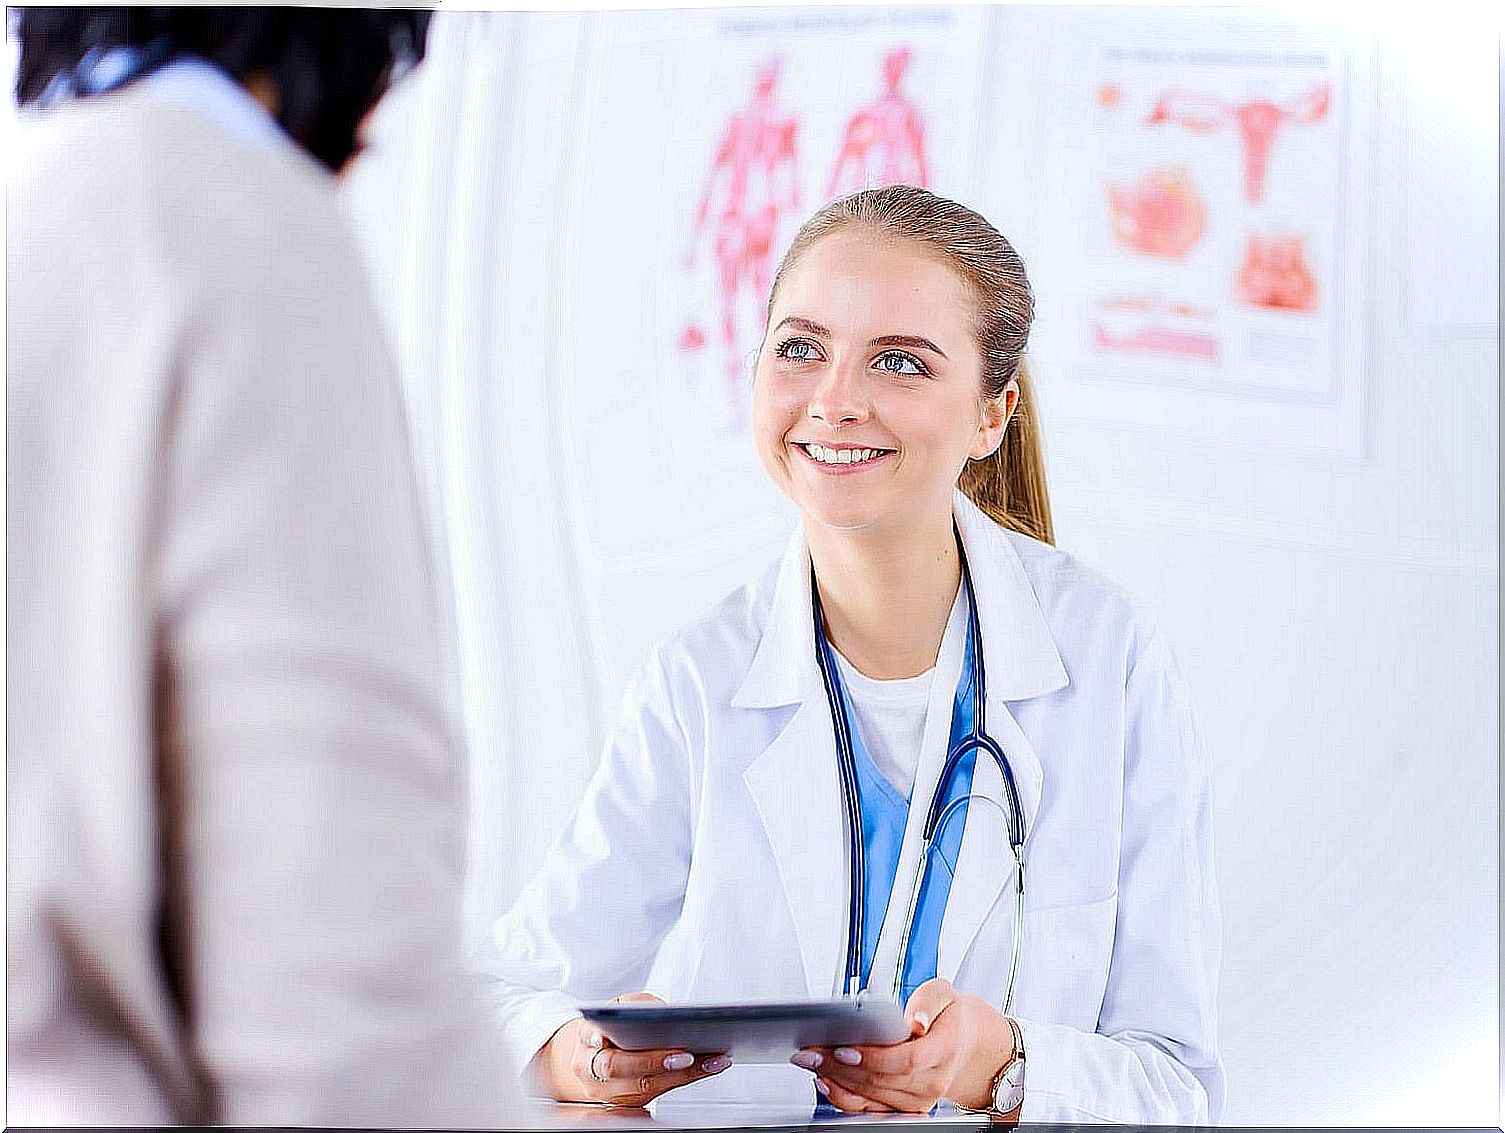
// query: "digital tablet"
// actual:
[[757, 1032]]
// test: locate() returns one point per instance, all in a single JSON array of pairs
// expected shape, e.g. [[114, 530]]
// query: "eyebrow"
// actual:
[[913, 341], [805, 325]]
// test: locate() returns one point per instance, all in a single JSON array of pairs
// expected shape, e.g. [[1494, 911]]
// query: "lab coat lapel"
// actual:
[[1022, 662], [794, 781], [797, 793]]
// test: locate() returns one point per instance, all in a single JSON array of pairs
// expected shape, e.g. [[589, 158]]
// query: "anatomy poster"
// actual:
[[1214, 219], [781, 111], [703, 139]]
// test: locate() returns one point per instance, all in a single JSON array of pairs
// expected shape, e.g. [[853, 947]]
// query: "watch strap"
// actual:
[[1011, 1116], [1004, 1071]]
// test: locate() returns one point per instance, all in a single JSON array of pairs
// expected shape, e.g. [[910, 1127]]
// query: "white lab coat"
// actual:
[[708, 861]]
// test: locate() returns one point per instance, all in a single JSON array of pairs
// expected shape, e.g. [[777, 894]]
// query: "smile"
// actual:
[[849, 457]]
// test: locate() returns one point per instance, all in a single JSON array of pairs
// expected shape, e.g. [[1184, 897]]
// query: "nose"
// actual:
[[840, 396]]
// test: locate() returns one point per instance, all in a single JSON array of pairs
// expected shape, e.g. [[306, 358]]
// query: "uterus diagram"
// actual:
[[1259, 123], [1163, 211]]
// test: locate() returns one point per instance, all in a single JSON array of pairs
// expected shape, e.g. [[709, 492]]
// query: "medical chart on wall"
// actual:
[[780, 112], [706, 139], [1200, 236], [1213, 250]]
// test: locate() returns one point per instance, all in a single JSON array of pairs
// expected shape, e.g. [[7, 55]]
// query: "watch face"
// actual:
[[1010, 1090]]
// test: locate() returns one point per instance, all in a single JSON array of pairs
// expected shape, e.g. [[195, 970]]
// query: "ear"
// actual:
[[996, 414]]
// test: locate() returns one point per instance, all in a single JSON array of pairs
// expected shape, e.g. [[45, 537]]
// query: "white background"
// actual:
[[1331, 581]]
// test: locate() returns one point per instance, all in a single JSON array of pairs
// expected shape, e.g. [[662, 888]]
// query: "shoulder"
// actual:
[[684, 688], [136, 182], [717, 645], [1086, 611]]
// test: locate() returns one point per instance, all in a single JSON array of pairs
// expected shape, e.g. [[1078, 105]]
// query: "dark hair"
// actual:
[[328, 66], [1009, 485]]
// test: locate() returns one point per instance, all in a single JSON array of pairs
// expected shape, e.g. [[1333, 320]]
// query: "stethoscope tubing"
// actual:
[[939, 811], [847, 763]]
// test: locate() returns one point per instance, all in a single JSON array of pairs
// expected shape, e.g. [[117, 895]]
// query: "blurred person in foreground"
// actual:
[[235, 805]]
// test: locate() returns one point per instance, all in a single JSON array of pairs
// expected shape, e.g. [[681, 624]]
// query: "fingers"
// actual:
[[844, 1097], [907, 1093], [926, 1004], [637, 997], [636, 1077], [908, 1076], [902, 1060], [615, 1064]]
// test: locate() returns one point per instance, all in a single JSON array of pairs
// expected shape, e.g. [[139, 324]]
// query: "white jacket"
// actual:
[[708, 861]]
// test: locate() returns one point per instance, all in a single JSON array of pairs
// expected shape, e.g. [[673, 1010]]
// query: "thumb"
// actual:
[[638, 997], [926, 1004]]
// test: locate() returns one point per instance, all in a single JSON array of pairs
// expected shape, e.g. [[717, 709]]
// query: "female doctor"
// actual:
[[756, 829]]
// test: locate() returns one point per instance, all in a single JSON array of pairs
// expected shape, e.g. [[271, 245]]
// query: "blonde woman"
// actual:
[[757, 827]]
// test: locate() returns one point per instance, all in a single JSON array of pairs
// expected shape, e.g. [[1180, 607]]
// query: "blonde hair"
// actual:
[[1009, 485]]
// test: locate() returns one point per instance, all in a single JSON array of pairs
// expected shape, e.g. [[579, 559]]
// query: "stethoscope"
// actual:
[[939, 813]]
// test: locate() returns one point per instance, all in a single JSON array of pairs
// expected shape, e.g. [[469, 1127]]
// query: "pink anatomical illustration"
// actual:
[[1142, 325], [1258, 121], [1275, 274], [752, 186], [884, 141], [1161, 214]]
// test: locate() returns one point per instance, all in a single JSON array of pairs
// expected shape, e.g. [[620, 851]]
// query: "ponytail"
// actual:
[[1009, 486]]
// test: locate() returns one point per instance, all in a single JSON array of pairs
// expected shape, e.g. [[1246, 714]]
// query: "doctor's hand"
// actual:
[[580, 1064], [957, 1044]]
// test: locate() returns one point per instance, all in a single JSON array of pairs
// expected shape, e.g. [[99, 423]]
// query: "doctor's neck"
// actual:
[[886, 600]]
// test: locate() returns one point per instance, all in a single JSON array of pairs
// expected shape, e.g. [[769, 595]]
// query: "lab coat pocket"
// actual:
[[1064, 967]]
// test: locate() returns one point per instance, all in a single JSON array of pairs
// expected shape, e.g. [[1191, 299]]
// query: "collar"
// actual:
[[201, 86], [1019, 651]]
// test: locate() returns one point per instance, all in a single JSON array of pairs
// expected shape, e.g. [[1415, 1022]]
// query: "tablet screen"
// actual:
[[756, 1032]]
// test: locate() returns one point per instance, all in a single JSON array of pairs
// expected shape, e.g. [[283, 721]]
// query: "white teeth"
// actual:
[[842, 456]]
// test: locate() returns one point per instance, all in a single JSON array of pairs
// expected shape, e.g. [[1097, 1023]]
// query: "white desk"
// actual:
[[668, 1114]]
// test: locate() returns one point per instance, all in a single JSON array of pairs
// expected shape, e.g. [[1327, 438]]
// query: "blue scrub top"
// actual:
[[885, 813]]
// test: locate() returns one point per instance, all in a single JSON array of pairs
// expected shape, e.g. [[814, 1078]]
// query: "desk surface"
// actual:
[[666, 1114]]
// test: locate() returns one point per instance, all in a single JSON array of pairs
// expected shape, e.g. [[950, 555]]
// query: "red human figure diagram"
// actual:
[[1258, 121], [752, 184], [884, 141]]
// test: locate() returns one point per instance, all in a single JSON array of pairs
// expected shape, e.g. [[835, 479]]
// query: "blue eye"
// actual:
[[901, 364], [796, 350]]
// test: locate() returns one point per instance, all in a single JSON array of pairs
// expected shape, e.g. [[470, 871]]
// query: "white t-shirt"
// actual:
[[891, 714], [891, 717]]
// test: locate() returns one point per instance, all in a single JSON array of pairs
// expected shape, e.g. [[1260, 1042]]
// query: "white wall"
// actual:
[[1335, 610]]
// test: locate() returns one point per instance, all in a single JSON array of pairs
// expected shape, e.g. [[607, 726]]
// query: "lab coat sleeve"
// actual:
[[1154, 1058], [590, 924]]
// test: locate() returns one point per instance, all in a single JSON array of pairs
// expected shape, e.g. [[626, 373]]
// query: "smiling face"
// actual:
[[868, 399]]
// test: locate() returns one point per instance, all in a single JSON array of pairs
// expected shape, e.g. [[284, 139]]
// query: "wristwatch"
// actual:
[[1008, 1083]]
